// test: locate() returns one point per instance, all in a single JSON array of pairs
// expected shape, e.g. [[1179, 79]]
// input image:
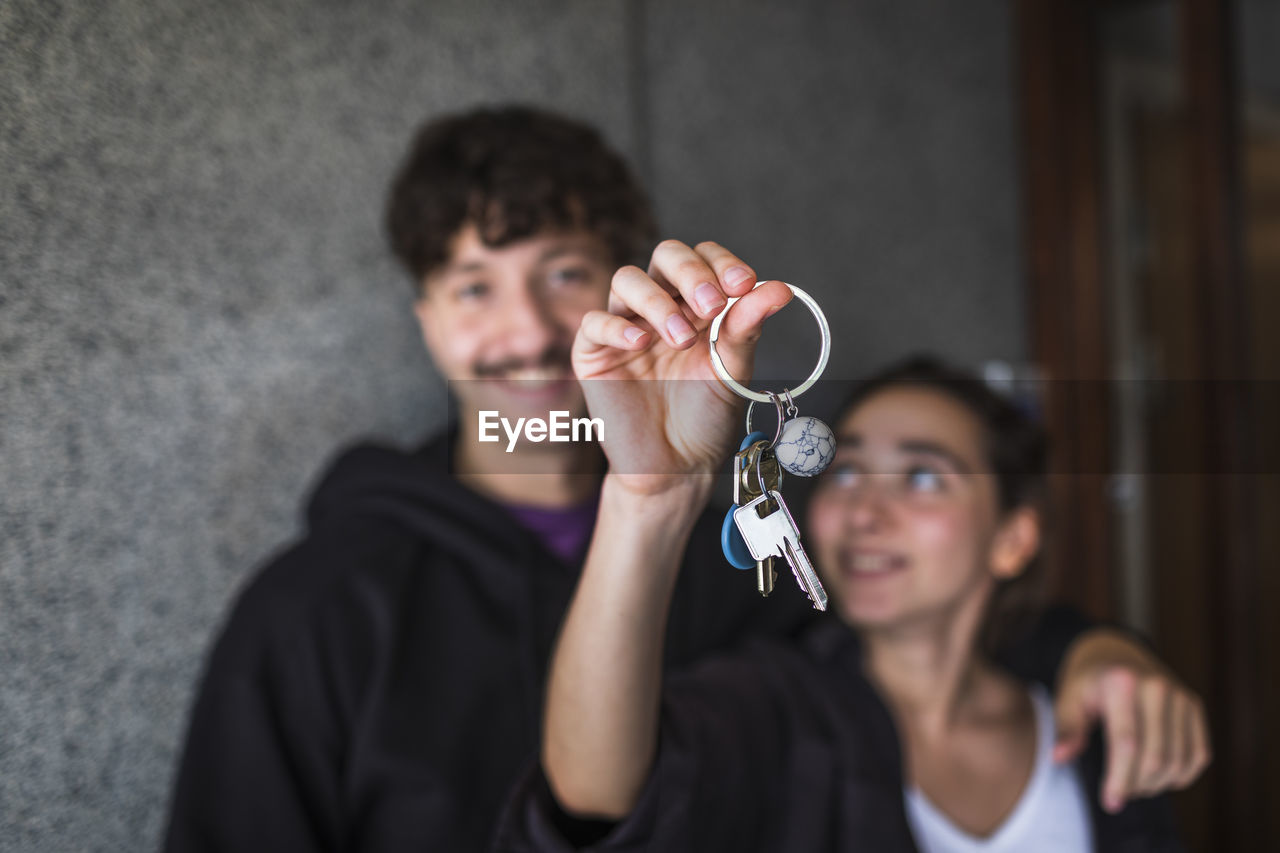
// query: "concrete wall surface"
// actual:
[[197, 308]]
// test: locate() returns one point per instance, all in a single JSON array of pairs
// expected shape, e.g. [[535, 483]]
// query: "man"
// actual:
[[378, 686]]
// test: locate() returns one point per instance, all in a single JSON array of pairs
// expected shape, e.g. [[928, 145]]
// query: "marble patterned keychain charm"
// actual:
[[806, 445]]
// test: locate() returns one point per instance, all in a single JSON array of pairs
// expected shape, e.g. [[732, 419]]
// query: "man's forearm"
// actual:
[[606, 675], [1102, 646]]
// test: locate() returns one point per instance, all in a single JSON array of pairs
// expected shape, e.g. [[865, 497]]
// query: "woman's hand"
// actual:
[[645, 363], [1157, 734], [645, 368]]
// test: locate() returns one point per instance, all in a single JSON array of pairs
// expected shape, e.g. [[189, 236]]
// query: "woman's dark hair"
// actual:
[[1017, 451], [513, 172]]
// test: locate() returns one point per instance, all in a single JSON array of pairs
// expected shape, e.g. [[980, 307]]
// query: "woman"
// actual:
[[885, 728]]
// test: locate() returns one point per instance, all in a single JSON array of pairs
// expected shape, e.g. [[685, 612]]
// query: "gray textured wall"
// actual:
[[864, 152], [196, 307]]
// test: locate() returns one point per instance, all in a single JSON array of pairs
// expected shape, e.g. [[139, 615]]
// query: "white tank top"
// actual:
[[1051, 816]]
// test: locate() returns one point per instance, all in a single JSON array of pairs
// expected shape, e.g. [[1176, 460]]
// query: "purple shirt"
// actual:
[[564, 531]]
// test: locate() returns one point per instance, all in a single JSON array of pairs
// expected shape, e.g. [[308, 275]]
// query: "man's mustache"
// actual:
[[551, 359]]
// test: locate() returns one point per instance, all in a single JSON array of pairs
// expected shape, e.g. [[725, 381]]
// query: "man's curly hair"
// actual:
[[513, 172]]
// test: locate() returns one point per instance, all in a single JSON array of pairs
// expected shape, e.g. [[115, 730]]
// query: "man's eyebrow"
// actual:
[[551, 253], [463, 268]]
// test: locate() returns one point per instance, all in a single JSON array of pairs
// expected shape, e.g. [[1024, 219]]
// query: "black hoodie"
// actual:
[[378, 685], [785, 747]]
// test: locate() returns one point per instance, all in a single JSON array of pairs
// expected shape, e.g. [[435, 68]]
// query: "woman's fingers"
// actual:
[[601, 329], [743, 325], [683, 290], [688, 274], [702, 276], [633, 292], [735, 276]]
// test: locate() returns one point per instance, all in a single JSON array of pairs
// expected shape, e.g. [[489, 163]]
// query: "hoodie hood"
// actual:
[[415, 490]]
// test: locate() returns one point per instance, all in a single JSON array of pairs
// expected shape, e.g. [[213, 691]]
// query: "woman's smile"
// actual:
[[867, 564]]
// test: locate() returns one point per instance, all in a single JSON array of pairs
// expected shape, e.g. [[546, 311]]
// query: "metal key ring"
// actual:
[[743, 391], [777, 401]]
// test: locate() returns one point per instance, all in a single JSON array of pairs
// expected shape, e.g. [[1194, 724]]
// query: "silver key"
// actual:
[[752, 465], [766, 574], [776, 535]]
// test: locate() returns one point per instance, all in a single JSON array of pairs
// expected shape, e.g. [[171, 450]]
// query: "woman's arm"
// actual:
[[646, 371], [606, 677]]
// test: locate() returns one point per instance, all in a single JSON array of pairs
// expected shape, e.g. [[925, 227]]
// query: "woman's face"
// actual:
[[904, 524]]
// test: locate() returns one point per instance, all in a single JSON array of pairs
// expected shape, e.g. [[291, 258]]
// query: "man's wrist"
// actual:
[[1099, 648]]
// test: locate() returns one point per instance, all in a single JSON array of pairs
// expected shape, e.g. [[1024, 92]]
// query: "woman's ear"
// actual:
[[1016, 542]]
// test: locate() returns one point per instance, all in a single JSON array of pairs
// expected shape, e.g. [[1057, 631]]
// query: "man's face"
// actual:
[[499, 322]]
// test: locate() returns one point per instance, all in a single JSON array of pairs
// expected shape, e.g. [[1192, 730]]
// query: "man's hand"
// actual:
[[1155, 727]]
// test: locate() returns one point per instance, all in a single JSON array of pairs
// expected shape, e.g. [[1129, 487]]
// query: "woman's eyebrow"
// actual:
[[931, 448], [918, 446]]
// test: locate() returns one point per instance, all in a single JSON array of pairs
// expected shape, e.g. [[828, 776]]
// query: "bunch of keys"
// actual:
[[759, 527], [755, 473]]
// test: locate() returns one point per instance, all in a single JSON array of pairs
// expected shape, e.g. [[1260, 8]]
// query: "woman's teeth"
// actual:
[[873, 564]]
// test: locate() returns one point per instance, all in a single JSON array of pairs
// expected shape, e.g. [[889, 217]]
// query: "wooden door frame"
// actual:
[[1210, 81], [1057, 87], [1058, 91]]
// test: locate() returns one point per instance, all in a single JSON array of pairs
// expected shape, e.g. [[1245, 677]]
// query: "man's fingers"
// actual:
[[1201, 749], [1154, 748], [1120, 719], [689, 274], [1075, 713], [641, 295], [1179, 739], [1069, 744], [1073, 716]]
